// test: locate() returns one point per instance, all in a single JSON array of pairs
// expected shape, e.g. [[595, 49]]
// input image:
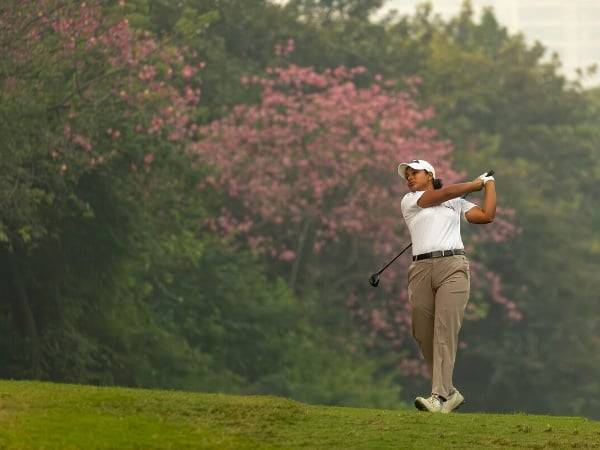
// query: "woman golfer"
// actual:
[[438, 278]]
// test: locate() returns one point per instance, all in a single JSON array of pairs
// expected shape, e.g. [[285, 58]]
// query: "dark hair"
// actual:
[[437, 183]]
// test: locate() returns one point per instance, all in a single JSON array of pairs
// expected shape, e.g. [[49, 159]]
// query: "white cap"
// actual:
[[417, 164]]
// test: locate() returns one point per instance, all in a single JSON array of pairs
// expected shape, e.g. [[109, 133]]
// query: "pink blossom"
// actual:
[[287, 255], [82, 141], [188, 72]]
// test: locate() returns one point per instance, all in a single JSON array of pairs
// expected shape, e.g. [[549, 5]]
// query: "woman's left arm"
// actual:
[[488, 212]]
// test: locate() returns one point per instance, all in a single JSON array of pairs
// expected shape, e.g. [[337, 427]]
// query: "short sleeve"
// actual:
[[465, 205], [409, 204]]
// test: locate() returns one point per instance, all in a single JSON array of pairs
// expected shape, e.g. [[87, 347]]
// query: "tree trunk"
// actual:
[[299, 254], [23, 316]]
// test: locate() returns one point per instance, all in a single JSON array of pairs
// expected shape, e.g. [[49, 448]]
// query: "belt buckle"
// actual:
[[437, 254]]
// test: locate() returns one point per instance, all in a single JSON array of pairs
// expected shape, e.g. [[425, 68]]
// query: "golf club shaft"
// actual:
[[397, 256]]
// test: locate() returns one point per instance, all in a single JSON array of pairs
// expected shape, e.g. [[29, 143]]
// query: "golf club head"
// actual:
[[374, 280]]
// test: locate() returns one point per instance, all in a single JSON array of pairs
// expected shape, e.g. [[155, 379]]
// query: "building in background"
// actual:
[[570, 28]]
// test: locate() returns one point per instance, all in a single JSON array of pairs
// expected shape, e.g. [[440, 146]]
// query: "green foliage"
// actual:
[[259, 333]]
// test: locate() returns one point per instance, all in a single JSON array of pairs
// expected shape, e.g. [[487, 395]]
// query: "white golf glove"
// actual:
[[485, 178]]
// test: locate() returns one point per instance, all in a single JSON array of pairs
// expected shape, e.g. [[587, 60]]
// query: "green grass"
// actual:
[[60, 416]]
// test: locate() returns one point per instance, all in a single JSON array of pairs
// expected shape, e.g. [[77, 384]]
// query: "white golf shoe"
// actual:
[[431, 404], [454, 400]]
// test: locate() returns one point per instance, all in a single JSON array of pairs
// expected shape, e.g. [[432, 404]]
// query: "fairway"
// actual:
[[61, 416]]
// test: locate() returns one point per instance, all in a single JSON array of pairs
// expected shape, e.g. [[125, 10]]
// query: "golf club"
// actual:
[[374, 279]]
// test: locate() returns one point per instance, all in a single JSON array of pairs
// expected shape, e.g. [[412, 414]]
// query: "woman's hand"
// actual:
[[482, 179], [478, 183], [487, 178]]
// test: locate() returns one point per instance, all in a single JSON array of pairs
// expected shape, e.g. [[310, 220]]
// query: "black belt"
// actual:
[[438, 254]]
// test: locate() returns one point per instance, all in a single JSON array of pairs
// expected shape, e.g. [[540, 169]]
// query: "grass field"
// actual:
[[60, 416]]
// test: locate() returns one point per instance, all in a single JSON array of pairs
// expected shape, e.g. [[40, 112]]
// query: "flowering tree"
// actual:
[[310, 175], [317, 154], [88, 107], [94, 89]]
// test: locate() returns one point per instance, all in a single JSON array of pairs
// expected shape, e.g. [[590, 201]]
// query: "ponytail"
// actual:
[[437, 183]]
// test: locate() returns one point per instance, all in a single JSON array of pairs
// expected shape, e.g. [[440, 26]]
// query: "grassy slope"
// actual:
[[46, 415]]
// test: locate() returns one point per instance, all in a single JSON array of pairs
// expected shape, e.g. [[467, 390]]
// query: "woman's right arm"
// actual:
[[437, 196]]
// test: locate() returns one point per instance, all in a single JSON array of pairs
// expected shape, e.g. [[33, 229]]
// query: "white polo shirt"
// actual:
[[436, 227]]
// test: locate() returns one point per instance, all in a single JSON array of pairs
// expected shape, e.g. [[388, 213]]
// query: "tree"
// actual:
[[327, 11], [84, 98]]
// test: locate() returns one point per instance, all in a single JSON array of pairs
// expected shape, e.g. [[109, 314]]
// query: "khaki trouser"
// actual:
[[438, 291]]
